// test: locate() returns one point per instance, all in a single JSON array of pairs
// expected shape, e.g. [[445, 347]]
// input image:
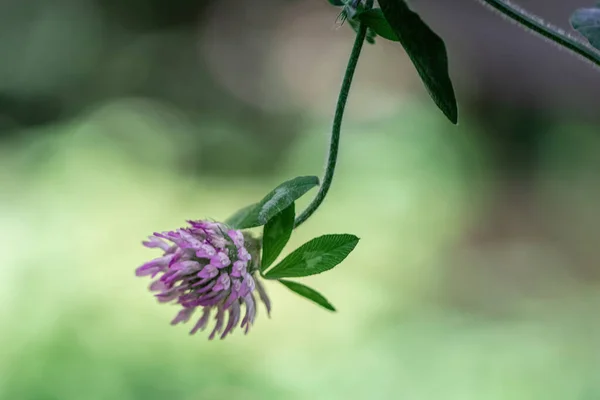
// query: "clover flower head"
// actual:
[[207, 266]]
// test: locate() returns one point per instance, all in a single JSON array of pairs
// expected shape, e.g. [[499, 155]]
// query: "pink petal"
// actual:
[[239, 268], [221, 260]]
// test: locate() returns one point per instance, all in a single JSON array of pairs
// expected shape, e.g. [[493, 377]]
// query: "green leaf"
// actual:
[[309, 293], [272, 204], [237, 219], [426, 50], [315, 256], [586, 21], [337, 3], [276, 234], [375, 20], [355, 24]]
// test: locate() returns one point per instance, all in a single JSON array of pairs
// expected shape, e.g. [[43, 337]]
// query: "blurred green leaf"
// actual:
[[315, 256], [426, 50], [337, 3], [376, 22], [355, 24], [586, 21], [276, 234], [276, 201], [308, 293]]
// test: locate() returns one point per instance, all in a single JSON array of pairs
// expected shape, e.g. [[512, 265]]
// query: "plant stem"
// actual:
[[541, 27], [337, 124]]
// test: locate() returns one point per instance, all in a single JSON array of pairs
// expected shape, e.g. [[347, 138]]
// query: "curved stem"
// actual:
[[337, 124], [549, 31]]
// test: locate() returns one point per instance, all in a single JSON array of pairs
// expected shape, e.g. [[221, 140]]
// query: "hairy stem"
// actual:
[[541, 27], [337, 124]]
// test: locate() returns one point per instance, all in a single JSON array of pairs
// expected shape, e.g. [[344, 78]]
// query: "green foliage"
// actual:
[[427, 52], [276, 234], [395, 21], [276, 211], [314, 257], [586, 21], [276, 201], [242, 217], [308, 293], [371, 34], [376, 22]]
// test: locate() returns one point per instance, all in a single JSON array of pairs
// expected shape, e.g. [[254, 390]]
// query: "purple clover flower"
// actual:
[[207, 266]]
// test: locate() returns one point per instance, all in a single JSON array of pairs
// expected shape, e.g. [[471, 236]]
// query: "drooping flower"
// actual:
[[207, 266]]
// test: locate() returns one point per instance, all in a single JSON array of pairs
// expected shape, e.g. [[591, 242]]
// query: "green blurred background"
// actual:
[[476, 276]]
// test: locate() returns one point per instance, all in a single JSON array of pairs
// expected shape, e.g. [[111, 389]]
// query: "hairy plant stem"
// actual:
[[541, 27], [337, 124]]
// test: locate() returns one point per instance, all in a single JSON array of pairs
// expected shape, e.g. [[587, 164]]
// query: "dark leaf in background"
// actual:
[[376, 21], [586, 21], [426, 50]]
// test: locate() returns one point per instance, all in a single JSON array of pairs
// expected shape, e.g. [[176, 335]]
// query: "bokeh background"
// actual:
[[477, 273]]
